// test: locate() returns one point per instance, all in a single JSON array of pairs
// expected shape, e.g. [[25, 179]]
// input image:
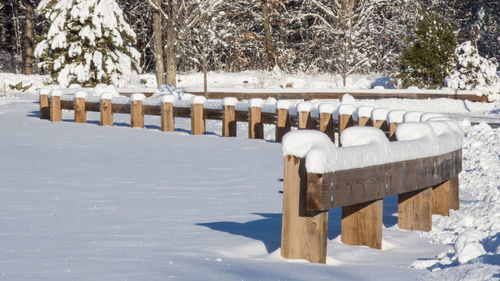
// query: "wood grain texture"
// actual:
[[197, 120], [229, 123], [345, 121], [106, 113], [304, 120], [364, 121], [441, 199], [44, 107], [283, 124], [342, 188], [454, 193], [167, 117], [415, 210], [392, 131], [327, 125], [362, 224], [80, 112], [136, 115], [255, 126], [304, 233], [55, 109]]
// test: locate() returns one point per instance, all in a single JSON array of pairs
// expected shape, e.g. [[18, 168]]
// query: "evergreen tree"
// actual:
[[88, 42], [430, 57]]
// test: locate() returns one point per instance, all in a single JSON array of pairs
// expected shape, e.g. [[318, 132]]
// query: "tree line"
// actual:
[[336, 36]]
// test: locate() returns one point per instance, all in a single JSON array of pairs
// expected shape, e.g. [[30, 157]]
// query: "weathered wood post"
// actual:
[[167, 113], [346, 118], [255, 126], [415, 210], [136, 114], [441, 199], [394, 118], [379, 119], [304, 116], [106, 109], [197, 116], [304, 233], [44, 103], [454, 193], [364, 114], [362, 223], [55, 106], [229, 123], [326, 120], [80, 112], [284, 123]]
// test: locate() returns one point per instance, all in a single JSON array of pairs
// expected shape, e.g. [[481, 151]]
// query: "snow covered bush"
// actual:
[[429, 58], [88, 42], [473, 71]]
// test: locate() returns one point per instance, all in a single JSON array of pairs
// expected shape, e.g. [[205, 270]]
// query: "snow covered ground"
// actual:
[[82, 202]]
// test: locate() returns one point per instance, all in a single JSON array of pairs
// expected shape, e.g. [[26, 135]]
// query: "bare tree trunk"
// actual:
[[158, 44], [270, 63], [28, 38], [171, 54], [282, 39], [204, 67]]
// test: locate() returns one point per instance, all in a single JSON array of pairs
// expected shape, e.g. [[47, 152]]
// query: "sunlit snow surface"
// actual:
[[82, 202]]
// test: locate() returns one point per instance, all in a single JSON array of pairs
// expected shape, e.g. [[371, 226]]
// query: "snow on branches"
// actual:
[[88, 42]]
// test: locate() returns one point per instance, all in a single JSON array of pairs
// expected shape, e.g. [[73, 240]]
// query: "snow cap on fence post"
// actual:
[[229, 101], [137, 97], [168, 98], [347, 99], [255, 126], [198, 100], [447, 140], [256, 102], [412, 116], [379, 114], [364, 113], [56, 93], [44, 103], [80, 112], [315, 146], [283, 122], [428, 115], [304, 113]]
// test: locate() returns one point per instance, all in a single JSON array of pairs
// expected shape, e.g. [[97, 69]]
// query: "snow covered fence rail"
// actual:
[[421, 167], [309, 94]]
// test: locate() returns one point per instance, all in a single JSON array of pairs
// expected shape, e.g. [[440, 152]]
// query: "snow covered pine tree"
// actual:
[[88, 42]]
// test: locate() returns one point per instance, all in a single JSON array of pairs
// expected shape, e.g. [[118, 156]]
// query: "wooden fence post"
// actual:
[[326, 120], [415, 210], [136, 114], [304, 233], [283, 124], [362, 224], [197, 117], [55, 106], [255, 126], [346, 118], [44, 104], [304, 116], [454, 193], [441, 199], [167, 113], [106, 109], [80, 113], [379, 119], [364, 113], [394, 118], [229, 123]]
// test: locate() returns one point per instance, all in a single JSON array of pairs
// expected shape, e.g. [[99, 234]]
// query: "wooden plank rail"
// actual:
[[364, 94], [343, 188]]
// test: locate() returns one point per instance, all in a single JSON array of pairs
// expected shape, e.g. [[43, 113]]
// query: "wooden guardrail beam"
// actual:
[[342, 188]]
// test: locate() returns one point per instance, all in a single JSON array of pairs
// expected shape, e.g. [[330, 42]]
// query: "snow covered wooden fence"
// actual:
[[412, 154], [309, 94], [422, 168]]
